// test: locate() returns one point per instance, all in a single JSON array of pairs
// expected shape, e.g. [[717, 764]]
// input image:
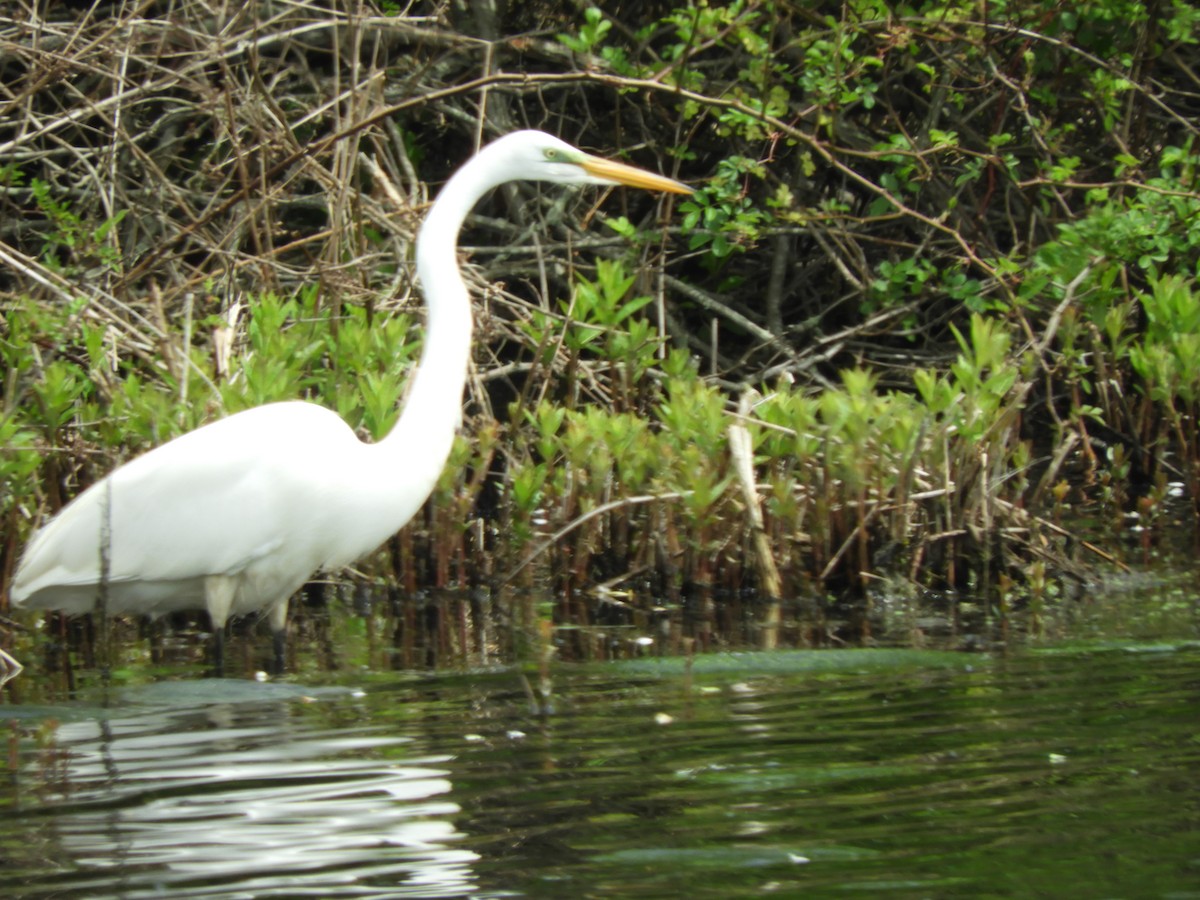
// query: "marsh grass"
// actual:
[[581, 514]]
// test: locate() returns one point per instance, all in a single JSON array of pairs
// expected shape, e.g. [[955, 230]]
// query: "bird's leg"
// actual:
[[279, 642], [278, 619], [218, 651], [218, 598]]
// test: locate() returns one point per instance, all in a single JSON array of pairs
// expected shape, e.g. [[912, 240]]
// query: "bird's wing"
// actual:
[[209, 502]]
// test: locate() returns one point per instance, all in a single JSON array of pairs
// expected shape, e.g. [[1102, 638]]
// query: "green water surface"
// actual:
[[799, 774]]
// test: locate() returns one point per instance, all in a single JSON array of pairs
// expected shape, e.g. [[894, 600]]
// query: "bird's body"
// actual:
[[235, 516], [249, 506]]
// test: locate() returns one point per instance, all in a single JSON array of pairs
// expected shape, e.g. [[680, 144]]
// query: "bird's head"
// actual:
[[535, 155]]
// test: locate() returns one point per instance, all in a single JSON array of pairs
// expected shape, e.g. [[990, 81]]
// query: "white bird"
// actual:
[[235, 516]]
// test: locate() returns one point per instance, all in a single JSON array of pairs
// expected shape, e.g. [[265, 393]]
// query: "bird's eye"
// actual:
[[551, 154]]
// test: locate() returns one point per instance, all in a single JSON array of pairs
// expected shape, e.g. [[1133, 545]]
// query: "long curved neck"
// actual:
[[421, 440]]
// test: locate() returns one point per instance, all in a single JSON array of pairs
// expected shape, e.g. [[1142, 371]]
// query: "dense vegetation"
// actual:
[[942, 254]]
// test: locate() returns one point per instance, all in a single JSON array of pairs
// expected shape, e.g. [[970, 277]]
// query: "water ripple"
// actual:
[[1068, 775]]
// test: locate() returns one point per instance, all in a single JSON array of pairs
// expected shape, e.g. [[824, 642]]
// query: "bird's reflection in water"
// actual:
[[251, 798]]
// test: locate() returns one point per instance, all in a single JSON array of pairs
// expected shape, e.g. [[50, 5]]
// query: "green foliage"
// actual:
[[61, 387], [294, 348], [1167, 361], [19, 462], [1149, 229], [836, 72], [598, 308], [721, 216], [290, 348], [827, 464], [273, 368], [73, 245], [601, 320], [591, 33], [1136, 250], [900, 281], [970, 405]]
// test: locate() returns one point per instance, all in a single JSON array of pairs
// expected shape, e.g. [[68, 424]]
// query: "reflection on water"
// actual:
[[785, 774], [234, 788]]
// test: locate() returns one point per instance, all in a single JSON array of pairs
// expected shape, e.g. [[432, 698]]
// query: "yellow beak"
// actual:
[[610, 170]]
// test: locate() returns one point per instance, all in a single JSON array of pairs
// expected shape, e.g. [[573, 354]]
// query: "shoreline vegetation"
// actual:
[[932, 307]]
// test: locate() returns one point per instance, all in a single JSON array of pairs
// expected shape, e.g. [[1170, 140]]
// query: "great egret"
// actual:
[[235, 516]]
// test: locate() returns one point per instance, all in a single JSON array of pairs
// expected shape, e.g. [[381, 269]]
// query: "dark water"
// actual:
[[795, 774]]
